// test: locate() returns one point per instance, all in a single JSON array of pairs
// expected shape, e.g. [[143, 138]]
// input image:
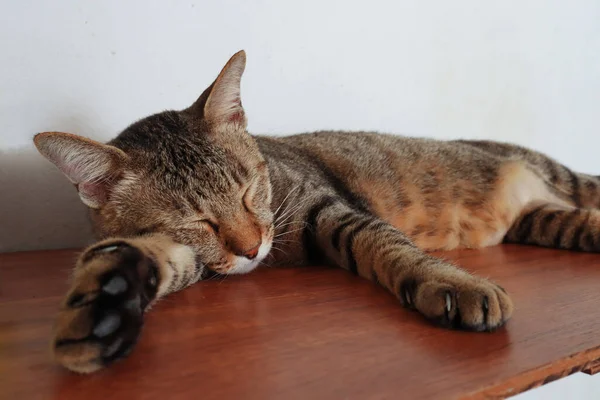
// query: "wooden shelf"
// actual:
[[312, 333]]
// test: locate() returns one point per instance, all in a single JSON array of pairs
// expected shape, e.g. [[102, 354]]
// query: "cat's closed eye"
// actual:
[[208, 223], [247, 199], [254, 194]]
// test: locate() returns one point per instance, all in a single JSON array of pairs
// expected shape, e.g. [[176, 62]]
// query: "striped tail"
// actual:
[[549, 226]]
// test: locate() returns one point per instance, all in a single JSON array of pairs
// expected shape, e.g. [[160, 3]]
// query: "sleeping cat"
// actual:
[[181, 195]]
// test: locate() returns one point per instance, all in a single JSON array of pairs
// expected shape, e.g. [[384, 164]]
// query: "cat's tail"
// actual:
[[561, 228]]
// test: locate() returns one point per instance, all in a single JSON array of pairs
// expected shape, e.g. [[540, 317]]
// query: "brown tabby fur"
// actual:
[[183, 194]]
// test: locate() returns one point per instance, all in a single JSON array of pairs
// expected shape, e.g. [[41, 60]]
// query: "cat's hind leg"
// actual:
[[113, 284], [560, 227]]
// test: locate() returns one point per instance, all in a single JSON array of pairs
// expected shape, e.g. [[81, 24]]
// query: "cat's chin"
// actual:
[[244, 265]]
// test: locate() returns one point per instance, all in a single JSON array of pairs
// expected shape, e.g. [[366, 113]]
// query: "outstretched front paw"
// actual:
[[102, 315], [460, 301]]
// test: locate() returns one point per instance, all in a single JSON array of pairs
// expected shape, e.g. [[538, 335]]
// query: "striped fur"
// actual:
[[561, 228], [184, 194]]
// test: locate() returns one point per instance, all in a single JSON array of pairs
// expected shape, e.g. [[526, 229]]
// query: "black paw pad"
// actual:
[[107, 325], [115, 286]]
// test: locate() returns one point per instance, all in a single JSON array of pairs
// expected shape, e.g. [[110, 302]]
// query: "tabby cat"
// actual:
[[181, 195]]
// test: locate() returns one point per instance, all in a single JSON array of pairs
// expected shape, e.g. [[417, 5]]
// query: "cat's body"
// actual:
[[179, 195], [442, 194]]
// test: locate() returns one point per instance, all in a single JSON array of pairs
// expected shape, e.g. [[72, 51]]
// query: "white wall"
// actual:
[[516, 70], [579, 386]]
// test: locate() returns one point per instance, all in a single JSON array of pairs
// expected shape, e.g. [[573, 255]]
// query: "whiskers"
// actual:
[[292, 231], [265, 263], [284, 241], [286, 218], [288, 211], [281, 250], [286, 223], [213, 276], [279, 244], [285, 198]]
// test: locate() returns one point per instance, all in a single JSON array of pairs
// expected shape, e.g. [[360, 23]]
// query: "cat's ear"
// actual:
[[91, 166], [221, 102]]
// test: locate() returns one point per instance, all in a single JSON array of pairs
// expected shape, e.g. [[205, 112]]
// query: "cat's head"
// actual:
[[196, 175]]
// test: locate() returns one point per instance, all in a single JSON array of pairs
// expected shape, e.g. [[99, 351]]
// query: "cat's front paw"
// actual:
[[461, 302], [102, 315]]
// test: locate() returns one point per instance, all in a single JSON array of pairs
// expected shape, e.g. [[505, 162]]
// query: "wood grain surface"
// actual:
[[312, 333]]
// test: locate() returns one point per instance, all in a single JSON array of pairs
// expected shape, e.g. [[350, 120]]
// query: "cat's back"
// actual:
[[371, 151]]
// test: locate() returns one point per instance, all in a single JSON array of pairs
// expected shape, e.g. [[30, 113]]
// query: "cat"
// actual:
[[181, 195]]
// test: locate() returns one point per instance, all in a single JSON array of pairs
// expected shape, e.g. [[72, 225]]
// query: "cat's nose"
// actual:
[[252, 253]]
